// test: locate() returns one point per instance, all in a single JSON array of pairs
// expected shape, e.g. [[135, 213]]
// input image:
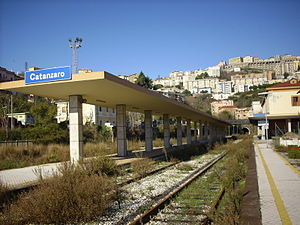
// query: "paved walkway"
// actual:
[[279, 187]]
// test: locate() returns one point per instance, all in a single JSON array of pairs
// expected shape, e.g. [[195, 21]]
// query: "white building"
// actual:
[[197, 90], [221, 96], [225, 87], [90, 114], [213, 71]]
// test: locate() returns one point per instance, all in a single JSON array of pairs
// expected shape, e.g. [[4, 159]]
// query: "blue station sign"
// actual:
[[48, 75]]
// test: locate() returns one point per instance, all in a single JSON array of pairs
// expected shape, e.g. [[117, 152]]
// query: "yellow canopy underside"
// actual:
[[104, 89]]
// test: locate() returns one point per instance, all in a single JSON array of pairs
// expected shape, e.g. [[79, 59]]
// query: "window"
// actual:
[[295, 101]]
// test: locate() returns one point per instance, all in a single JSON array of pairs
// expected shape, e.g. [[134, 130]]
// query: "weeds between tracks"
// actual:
[[232, 177]]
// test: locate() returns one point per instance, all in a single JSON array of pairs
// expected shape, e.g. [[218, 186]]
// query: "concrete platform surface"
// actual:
[[279, 186]]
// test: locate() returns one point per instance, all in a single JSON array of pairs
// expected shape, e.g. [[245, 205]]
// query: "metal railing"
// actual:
[[16, 143]]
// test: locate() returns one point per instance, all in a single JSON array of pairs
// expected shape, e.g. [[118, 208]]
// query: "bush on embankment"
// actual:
[[78, 194]]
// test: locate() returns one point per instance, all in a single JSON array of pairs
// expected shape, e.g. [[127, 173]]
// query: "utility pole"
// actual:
[[74, 45]]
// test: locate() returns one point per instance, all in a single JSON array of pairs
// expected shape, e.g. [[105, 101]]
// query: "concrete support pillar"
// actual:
[[148, 131], [200, 130], [188, 132], [211, 132], [208, 126], [289, 123], [195, 131], [166, 130], [204, 131], [75, 124], [179, 131], [263, 132], [121, 130]]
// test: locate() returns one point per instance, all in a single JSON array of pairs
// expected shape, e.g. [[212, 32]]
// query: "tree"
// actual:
[[157, 86], [43, 113], [225, 115], [5, 101], [202, 76], [201, 102], [187, 93], [285, 75], [180, 86], [144, 81]]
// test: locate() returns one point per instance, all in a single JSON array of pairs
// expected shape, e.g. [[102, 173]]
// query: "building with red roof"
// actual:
[[281, 108]]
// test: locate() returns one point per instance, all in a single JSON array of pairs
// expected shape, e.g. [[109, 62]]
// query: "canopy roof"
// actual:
[[104, 89]]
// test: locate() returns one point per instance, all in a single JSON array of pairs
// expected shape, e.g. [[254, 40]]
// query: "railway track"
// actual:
[[191, 203]]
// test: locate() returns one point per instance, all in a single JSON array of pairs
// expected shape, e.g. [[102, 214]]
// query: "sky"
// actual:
[[154, 36]]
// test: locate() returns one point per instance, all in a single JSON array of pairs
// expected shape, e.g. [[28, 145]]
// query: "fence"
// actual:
[[16, 143]]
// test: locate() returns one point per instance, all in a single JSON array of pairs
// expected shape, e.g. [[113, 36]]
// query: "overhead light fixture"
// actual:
[[98, 100]]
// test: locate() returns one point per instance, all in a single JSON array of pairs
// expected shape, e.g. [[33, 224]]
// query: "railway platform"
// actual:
[[279, 186]]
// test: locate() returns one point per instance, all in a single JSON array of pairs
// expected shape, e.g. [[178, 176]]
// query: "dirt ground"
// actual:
[[250, 205]]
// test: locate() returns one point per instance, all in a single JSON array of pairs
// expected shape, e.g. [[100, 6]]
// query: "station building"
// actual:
[[281, 108]]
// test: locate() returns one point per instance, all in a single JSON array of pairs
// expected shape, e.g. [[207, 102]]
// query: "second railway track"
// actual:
[[190, 203]]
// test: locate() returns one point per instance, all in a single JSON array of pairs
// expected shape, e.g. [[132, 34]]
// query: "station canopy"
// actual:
[[104, 89]]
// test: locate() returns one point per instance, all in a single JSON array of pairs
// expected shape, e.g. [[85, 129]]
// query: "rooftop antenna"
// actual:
[[74, 45]]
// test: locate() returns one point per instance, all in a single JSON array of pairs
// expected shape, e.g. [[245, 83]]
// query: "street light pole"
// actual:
[[75, 44]]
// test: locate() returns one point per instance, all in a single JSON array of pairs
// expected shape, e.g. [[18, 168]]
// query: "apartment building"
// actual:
[[6, 75], [279, 64], [243, 82], [216, 105], [90, 114], [131, 78]]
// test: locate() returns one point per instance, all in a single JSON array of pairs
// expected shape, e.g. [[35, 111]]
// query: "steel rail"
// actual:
[[145, 217]]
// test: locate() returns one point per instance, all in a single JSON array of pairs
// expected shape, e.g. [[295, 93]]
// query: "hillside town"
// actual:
[[219, 83]]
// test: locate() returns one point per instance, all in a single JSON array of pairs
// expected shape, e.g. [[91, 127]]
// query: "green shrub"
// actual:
[[294, 154], [100, 165]]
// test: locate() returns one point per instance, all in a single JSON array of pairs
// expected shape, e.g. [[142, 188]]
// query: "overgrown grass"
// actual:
[[142, 167], [281, 148], [233, 177], [75, 195], [22, 156], [99, 149]]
